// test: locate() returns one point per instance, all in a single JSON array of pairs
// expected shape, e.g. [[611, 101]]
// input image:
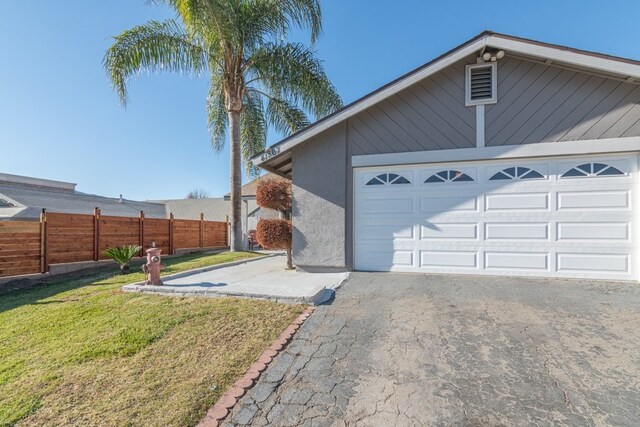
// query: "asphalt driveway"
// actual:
[[409, 349]]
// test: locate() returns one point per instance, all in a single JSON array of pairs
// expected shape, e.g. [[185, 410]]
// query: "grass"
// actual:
[[83, 352]]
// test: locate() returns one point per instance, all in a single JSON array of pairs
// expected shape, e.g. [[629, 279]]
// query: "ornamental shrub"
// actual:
[[276, 194]]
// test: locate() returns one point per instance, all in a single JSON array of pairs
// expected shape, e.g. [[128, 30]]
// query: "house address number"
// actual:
[[269, 153]]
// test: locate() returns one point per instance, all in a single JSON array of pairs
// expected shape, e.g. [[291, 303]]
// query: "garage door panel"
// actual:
[[594, 200], [449, 231], [390, 205], [516, 231], [517, 201], [517, 261], [386, 232], [587, 263], [383, 260], [595, 231], [580, 226], [448, 259], [449, 204]]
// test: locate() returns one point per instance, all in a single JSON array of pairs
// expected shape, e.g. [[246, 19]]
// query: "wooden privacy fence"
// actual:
[[30, 246]]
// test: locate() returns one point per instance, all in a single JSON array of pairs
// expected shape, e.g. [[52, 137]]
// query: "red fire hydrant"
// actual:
[[153, 266]]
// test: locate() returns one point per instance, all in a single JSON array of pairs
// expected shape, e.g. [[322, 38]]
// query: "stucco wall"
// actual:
[[319, 201]]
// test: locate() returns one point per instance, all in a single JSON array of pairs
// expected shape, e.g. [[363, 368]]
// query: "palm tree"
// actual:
[[256, 78]]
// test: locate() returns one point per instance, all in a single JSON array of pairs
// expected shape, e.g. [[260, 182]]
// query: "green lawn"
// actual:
[[83, 352]]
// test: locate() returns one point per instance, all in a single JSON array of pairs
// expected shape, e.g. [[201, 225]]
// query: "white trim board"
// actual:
[[558, 54], [480, 128], [543, 149], [551, 53]]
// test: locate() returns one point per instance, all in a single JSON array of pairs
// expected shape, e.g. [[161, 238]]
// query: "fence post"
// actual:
[[201, 229], [96, 234], [44, 265], [141, 229], [228, 230], [171, 243]]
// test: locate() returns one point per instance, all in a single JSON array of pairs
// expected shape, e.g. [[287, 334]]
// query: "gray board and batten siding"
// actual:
[[536, 103]]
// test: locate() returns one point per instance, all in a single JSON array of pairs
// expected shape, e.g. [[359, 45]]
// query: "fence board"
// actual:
[[68, 238], [25, 249], [215, 234], [117, 231], [19, 247], [157, 230], [186, 233]]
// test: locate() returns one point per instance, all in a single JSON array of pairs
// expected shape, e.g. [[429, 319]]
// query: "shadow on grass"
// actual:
[[43, 289], [103, 278]]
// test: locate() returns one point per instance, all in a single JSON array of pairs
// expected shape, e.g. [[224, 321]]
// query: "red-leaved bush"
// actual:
[[275, 234], [274, 193]]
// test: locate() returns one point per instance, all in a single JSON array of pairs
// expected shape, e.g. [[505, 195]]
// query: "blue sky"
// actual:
[[59, 118]]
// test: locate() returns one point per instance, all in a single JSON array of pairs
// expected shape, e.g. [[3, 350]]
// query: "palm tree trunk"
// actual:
[[236, 183]]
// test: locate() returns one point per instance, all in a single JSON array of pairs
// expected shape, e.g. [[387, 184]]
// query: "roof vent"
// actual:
[[481, 84]]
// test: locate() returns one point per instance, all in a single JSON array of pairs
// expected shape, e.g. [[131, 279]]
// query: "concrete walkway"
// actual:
[[412, 350], [264, 278]]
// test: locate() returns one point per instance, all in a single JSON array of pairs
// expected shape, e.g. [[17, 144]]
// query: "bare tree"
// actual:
[[198, 193]]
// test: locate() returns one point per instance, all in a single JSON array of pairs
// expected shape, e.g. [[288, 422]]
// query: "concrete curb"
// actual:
[[320, 296], [138, 286], [218, 412], [316, 299]]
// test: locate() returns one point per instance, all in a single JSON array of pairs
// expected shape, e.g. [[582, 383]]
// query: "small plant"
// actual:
[[122, 255]]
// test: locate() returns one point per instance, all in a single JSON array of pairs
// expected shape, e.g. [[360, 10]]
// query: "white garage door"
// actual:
[[569, 217]]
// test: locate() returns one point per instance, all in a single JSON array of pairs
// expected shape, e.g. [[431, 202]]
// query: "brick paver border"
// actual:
[[223, 406]]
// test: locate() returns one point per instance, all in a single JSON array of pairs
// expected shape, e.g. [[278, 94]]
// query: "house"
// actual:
[[503, 156], [23, 198], [254, 212]]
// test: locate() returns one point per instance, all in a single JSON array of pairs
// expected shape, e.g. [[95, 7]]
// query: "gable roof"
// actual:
[[277, 157], [249, 189]]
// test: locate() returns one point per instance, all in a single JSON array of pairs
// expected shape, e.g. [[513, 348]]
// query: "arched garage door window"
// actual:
[[448, 176], [592, 169], [516, 172], [388, 178]]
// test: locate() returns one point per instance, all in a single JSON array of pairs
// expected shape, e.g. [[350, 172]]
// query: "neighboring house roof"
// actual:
[[249, 189], [277, 158], [214, 209], [25, 197], [28, 202]]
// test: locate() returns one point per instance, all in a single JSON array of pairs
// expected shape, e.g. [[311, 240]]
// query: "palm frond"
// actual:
[[253, 130], [217, 115], [155, 46], [285, 117], [292, 72], [305, 14]]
